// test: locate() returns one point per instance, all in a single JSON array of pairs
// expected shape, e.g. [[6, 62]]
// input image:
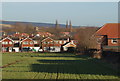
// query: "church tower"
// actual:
[[70, 26], [56, 25], [66, 25]]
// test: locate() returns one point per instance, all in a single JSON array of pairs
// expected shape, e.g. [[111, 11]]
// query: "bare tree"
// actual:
[[84, 37]]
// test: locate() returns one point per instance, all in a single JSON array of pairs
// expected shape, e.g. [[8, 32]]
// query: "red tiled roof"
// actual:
[[24, 34], [45, 33], [110, 29], [65, 33]]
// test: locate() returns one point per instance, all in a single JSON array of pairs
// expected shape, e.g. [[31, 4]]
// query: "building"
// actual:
[[26, 44], [51, 45], [109, 36], [44, 34], [48, 44], [7, 44]]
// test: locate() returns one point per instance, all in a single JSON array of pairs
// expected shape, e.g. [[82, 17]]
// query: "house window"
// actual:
[[10, 43], [31, 42], [45, 42], [64, 42], [60, 42], [48, 42], [4, 42], [35, 42], [56, 42], [51, 42], [114, 41], [26, 42]]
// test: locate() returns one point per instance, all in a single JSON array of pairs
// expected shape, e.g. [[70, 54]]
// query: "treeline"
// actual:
[[22, 28]]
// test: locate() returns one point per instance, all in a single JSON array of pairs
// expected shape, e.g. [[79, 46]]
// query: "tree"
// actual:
[[85, 39]]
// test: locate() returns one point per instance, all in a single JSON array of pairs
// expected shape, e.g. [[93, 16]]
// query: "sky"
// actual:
[[80, 13]]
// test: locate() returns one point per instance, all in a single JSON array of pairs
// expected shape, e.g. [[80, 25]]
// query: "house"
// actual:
[[24, 35], [26, 44], [63, 34], [44, 34], [109, 36], [51, 45], [7, 44], [48, 44]]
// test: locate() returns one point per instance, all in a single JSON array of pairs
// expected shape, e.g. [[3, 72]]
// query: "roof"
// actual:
[[26, 38], [69, 44], [7, 38], [110, 29], [47, 38]]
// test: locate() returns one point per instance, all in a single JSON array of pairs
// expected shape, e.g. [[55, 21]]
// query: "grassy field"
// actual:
[[54, 66]]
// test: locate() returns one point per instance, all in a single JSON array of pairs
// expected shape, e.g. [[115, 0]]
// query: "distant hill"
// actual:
[[34, 24]]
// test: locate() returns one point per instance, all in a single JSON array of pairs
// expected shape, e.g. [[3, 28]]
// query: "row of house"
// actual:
[[38, 34], [108, 36], [28, 44]]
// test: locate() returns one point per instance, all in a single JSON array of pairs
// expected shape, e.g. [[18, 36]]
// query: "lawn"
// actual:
[[54, 66]]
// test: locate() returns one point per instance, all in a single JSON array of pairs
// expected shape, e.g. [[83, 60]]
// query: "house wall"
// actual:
[[27, 45], [113, 44], [16, 49], [7, 45]]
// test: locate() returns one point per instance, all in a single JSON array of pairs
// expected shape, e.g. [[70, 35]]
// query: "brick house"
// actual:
[[47, 44], [51, 45], [68, 45], [26, 44], [109, 35], [7, 44]]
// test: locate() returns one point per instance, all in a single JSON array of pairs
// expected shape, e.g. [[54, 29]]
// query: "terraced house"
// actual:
[[110, 36], [26, 44], [32, 44], [7, 44], [51, 45]]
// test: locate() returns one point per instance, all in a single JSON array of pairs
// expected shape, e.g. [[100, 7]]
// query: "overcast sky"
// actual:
[[80, 13]]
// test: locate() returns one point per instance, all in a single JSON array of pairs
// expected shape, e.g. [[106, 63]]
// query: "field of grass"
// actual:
[[54, 66]]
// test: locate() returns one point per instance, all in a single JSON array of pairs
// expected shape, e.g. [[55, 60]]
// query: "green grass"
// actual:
[[54, 66]]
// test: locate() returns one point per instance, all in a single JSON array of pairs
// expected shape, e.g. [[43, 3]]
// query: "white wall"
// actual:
[[16, 49]]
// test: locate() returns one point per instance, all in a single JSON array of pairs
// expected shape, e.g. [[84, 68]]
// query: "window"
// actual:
[[45, 42], [64, 42], [114, 41], [35, 42], [51, 42], [56, 42], [26, 42], [4, 42], [31, 42], [48, 42], [60, 42], [10, 43]]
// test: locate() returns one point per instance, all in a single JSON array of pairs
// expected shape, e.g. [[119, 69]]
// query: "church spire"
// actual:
[[70, 26], [56, 25], [66, 24]]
